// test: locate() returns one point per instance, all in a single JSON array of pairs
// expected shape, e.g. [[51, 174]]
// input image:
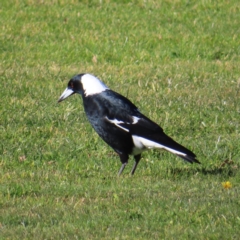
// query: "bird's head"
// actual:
[[84, 84]]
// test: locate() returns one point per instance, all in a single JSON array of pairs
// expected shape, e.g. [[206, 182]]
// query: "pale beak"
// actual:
[[67, 92]]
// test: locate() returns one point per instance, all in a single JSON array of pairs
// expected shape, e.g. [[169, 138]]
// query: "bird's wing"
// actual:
[[121, 112], [125, 115], [148, 133]]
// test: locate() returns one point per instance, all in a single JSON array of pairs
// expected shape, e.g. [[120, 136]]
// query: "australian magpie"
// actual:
[[119, 122]]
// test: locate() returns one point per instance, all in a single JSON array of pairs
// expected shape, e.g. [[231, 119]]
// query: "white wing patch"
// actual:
[[92, 85], [141, 144], [135, 120], [116, 123]]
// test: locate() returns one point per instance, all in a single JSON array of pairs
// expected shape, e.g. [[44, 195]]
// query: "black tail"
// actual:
[[150, 130], [168, 142], [189, 159]]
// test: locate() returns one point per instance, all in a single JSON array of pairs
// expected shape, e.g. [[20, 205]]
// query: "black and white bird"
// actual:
[[119, 122]]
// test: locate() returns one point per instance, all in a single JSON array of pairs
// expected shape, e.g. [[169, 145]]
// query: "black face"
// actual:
[[75, 84]]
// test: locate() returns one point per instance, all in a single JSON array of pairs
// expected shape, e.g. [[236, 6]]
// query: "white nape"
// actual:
[[92, 85], [141, 144]]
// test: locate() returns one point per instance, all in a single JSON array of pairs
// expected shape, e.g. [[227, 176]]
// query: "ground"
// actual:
[[178, 61]]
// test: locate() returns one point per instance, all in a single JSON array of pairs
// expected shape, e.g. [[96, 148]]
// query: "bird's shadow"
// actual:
[[227, 168]]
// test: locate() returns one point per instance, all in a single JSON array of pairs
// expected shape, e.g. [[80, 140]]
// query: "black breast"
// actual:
[[98, 108]]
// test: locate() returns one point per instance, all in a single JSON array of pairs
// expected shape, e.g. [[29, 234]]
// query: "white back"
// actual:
[[92, 85]]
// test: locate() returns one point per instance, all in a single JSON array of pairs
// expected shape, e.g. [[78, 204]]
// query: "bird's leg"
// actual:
[[122, 168], [124, 160], [137, 159]]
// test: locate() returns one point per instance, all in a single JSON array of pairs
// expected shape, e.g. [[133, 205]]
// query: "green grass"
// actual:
[[178, 61]]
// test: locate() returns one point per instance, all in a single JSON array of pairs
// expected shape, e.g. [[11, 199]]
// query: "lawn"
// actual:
[[178, 61]]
